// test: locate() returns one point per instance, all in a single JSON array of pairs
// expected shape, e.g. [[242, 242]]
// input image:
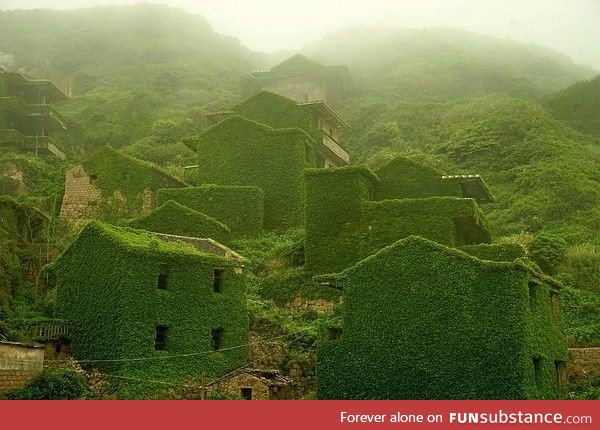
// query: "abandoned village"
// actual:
[[152, 287]]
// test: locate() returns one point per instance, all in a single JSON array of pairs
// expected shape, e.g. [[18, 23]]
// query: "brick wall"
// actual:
[[19, 364]]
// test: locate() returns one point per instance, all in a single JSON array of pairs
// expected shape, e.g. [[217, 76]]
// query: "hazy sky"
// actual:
[[568, 26]]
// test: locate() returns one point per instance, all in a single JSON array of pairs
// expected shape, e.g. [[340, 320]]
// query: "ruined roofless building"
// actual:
[[27, 119]]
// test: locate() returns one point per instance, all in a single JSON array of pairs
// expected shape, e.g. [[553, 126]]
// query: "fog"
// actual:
[[570, 27]]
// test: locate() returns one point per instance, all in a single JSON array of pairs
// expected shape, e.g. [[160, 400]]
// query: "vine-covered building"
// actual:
[[352, 212], [110, 185], [316, 118], [424, 321], [151, 306], [27, 119], [302, 80]]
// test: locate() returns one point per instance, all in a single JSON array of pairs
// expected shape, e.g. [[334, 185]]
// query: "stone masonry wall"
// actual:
[[583, 362], [81, 197], [19, 364]]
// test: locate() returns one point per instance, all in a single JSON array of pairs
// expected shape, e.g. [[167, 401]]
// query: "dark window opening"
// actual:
[[93, 178], [554, 305], [561, 376], [246, 393], [160, 340], [58, 347], [218, 280], [163, 278], [532, 287], [335, 333], [217, 338], [537, 368]]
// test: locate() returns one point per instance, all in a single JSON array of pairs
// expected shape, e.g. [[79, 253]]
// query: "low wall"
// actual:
[[19, 364]]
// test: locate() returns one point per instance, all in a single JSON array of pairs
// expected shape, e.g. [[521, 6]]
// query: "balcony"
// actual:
[[39, 145], [336, 149]]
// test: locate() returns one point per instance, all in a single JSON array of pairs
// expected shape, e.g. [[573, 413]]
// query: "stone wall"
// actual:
[[583, 362], [81, 197], [19, 364], [318, 305], [232, 387], [301, 89]]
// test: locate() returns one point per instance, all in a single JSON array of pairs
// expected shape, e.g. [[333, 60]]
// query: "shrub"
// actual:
[[547, 250], [52, 384]]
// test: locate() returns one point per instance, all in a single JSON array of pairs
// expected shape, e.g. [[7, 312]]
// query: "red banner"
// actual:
[[305, 415]]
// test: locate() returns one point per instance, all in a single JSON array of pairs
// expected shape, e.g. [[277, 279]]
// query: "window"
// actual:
[[554, 305], [160, 340], [246, 393], [93, 178], [335, 333], [532, 288], [163, 278], [217, 280], [58, 347], [537, 368], [217, 338], [561, 376]]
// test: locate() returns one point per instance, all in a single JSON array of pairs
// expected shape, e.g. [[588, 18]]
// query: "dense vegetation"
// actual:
[[142, 77]]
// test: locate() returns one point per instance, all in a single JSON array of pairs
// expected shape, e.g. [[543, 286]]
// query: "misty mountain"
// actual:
[[578, 106], [407, 63]]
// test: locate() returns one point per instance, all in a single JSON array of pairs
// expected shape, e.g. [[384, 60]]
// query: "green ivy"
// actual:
[[239, 207], [423, 321], [174, 218], [107, 289], [238, 151], [116, 172], [404, 178]]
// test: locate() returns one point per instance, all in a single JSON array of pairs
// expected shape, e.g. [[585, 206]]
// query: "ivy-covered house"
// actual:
[[238, 151], [352, 212], [144, 306], [316, 118], [110, 185], [302, 80], [424, 321], [27, 119]]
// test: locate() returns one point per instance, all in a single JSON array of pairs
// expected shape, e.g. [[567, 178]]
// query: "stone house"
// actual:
[[318, 119], [110, 185], [241, 152], [424, 321], [301, 80], [27, 119], [152, 306], [352, 212], [254, 384], [19, 364]]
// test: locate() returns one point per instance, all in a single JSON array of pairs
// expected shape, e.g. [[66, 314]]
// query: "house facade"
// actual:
[[143, 306], [424, 321]]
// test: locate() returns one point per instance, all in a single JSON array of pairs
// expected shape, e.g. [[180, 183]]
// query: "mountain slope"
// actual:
[[578, 106], [401, 63]]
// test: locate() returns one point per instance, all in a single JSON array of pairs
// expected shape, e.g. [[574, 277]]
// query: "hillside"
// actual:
[[127, 67], [578, 106], [442, 63]]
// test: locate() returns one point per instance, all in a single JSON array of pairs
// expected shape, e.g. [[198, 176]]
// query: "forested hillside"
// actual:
[[128, 67]]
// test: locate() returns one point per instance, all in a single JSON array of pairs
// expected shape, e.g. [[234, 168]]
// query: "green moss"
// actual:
[[115, 172], [495, 252], [239, 207], [403, 178], [238, 151], [174, 218], [333, 207], [107, 289], [423, 321], [343, 225]]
